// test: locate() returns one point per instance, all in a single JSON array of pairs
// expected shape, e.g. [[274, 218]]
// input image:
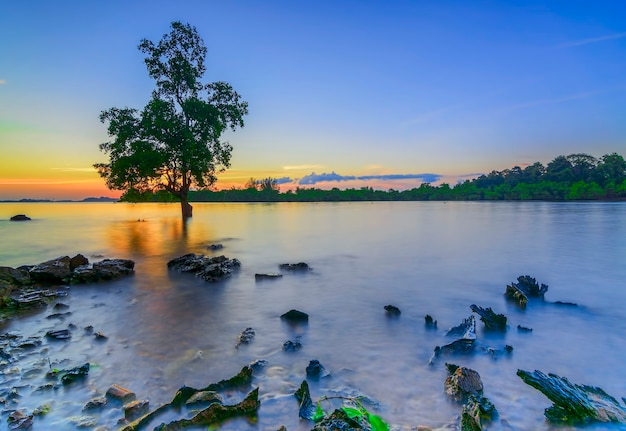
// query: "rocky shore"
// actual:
[[43, 286]]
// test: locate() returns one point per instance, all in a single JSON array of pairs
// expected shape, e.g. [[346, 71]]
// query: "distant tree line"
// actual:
[[573, 177]]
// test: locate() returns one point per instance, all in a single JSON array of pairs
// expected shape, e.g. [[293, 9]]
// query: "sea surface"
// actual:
[[167, 329]]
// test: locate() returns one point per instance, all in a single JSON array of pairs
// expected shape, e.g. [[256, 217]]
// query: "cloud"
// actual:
[[314, 178], [299, 167], [284, 180], [3, 81], [592, 40], [552, 101], [90, 169]]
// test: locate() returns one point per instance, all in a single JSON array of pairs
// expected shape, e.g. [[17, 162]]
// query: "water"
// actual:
[[167, 329]]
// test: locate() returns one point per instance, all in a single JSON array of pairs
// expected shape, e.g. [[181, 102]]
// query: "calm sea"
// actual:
[[165, 329]]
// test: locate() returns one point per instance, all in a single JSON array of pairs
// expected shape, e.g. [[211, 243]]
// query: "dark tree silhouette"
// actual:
[[174, 143]]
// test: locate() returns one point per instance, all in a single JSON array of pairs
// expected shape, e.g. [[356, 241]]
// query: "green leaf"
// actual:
[[319, 413], [352, 412], [377, 423]]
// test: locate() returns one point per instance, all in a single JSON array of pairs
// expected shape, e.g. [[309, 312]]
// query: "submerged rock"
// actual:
[[300, 266], [315, 370], [491, 320], [392, 311], [526, 287], [210, 269], [20, 217], [429, 322], [295, 316], [107, 269], [267, 276], [477, 411], [246, 337]]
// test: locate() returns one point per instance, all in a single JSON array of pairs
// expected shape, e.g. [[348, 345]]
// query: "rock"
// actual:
[[52, 271], [20, 217], [100, 336], [462, 382], [95, 404], [210, 269], [11, 277], [78, 260], [300, 266], [135, 409], [20, 420], [120, 393], [429, 322], [467, 329], [574, 404], [205, 398], [525, 287], [246, 337], [392, 311], [315, 370], [339, 420], [73, 374], [295, 316], [107, 269], [521, 328], [491, 320], [267, 276], [477, 411], [61, 334], [292, 346], [215, 247], [303, 395]]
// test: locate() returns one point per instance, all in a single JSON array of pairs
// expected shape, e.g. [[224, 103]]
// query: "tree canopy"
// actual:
[[174, 143]]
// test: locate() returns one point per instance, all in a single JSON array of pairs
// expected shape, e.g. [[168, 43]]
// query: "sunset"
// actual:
[[366, 91], [313, 216]]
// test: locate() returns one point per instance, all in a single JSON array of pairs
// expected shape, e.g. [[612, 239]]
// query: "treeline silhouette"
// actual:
[[566, 178]]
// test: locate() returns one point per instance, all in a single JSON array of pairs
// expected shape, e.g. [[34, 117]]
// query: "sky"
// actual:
[[383, 94]]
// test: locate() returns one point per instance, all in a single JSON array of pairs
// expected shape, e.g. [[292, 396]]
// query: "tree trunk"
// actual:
[[185, 207]]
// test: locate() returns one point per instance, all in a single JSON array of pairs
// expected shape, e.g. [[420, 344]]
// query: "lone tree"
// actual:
[[173, 144]]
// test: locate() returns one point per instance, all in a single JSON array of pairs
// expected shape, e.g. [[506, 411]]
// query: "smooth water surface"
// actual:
[[167, 329]]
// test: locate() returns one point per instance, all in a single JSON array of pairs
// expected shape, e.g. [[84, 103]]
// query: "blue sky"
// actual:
[[346, 94]]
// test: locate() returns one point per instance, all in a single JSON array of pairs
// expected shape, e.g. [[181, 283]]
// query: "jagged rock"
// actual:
[[491, 320], [210, 269], [20, 217], [306, 410], [215, 247], [135, 409], [574, 404], [215, 413], [477, 411], [392, 311], [267, 276], [107, 269], [246, 337], [295, 316], [205, 398], [525, 287], [521, 328], [467, 329], [429, 322], [52, 271], [300, 266], [462, 382]]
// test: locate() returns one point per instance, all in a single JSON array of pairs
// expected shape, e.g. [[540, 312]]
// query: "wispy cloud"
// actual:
[[299, 167], [3, 81], [550, 101], [284, 180], [38, 182], [90, 169], [314, 178], [592, 40]]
